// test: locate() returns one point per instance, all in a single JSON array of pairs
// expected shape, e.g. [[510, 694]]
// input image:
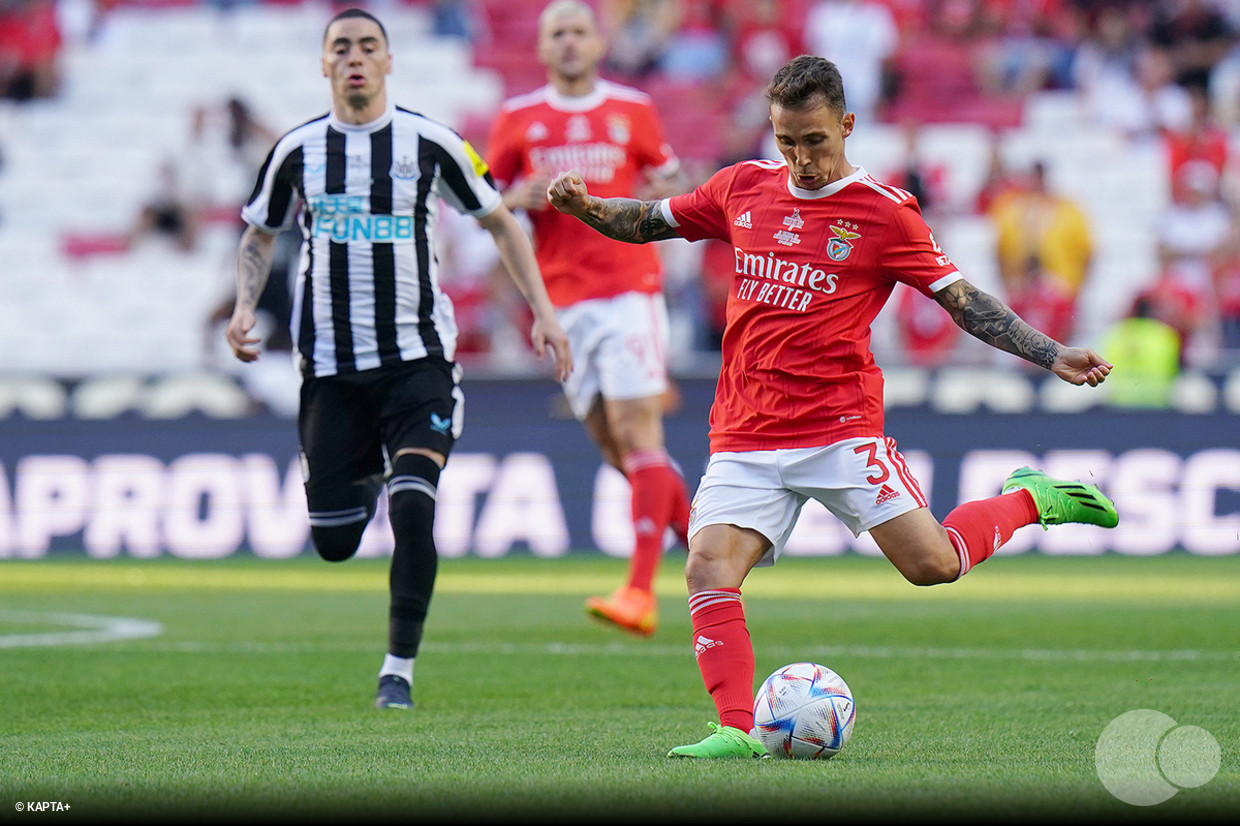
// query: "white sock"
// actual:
[[400, 666]]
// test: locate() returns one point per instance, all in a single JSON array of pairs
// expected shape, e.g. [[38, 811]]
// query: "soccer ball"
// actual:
[[804, 711]]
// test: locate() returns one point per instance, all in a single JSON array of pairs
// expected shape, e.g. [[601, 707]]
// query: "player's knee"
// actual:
[[412, 490], [931, 569], [336, 543], [336, 531], [705, 570]]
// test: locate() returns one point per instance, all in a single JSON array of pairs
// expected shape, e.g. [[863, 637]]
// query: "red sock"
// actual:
[[724, 654], [679, 521], [657, 491], [978, 529]]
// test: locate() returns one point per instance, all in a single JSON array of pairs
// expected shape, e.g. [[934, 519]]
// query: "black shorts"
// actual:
[[350, 425]]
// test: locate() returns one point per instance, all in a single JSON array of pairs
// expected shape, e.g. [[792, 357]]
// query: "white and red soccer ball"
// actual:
[[805, 711]]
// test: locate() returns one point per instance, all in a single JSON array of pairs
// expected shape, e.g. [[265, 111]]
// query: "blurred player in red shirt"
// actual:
[[609, 295], [818, 247]]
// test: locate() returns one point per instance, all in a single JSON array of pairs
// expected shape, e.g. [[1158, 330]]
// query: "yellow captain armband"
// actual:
[[480, 166]]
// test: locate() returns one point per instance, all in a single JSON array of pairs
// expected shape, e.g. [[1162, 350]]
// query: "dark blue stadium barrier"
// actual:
[[525, 479]]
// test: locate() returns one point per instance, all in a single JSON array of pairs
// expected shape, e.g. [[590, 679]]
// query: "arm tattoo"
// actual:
[[627, 219], [253, 267], [988, 319]]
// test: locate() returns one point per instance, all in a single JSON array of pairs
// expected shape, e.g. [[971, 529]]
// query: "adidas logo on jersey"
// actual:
[[743, 220], [885, 494]]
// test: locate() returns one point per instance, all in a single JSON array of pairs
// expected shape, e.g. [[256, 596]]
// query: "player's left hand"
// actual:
[[549, 336], [240, 337], [1081, 365]]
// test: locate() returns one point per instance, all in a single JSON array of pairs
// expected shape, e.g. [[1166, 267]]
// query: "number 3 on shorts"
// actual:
[[872, 461]]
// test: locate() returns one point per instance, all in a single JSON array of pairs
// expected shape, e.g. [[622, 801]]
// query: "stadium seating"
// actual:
[[73, 303]]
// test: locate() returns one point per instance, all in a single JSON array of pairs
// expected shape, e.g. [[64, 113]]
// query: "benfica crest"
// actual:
[[618, 129], [839, 247]]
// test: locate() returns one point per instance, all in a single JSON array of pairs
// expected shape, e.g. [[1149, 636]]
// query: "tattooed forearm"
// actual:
[[627, 219], [990, 320], [253, 267]]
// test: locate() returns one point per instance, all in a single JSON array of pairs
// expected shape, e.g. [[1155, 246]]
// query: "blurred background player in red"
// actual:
[[608, 295]]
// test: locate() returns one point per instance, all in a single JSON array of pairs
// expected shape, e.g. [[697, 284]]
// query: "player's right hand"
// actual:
[[240, 338], [567, 193], [529, 193]]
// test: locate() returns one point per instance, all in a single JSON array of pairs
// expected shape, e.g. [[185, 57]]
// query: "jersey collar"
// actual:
[[584, 103], [828, 190], [377, 123]]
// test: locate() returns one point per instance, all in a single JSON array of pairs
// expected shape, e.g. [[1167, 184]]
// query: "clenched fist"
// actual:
[[567, 193]]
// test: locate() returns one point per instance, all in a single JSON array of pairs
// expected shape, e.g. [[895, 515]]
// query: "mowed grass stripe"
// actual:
[[1122, 579], [658, 650]]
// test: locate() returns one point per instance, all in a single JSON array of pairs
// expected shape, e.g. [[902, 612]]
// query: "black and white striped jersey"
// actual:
[[367, 200]]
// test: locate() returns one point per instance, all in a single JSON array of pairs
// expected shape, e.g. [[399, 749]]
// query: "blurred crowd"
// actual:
[[1160, 72], [30, 43], [1164, 72]]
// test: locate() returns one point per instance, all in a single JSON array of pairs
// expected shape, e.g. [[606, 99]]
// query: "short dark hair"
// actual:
[[802, 79], [347, 13]]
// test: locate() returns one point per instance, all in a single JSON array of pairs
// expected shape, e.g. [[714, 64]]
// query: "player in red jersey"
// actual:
[[818, 247], [608, 295]]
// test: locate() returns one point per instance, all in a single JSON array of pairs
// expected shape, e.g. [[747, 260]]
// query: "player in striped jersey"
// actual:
[[375, 335], [608, 295], [798, 413]]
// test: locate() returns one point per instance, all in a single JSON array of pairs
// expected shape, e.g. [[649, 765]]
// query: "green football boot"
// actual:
[[726, 742], [1058, 501]]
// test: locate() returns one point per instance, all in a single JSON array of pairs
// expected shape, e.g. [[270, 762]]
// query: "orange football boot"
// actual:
[[629, 608]]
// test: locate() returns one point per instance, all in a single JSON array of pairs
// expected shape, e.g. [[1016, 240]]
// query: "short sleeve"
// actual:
[[503, 152], [273, 202], [912, 255], [653, 149], [700, 213], [464, 179]]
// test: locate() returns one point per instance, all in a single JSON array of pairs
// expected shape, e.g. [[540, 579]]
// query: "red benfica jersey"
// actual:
[[610, 136], [811, 271]]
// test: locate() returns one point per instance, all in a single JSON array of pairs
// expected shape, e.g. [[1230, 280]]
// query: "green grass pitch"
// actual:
[[985, 698]]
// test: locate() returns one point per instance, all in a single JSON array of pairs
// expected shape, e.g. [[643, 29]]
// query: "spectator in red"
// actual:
[[30, 44], [1194, 228], [1168, 300], [765, 34], [1201, 139], [1001, 182], [1227, 299], [1040, 298]]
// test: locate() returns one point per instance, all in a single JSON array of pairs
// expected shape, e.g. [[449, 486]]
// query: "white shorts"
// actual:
[[864, 482], [619, 348]]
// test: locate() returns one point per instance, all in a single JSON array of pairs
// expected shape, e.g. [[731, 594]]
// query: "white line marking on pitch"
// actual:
[[89, 629], [810, 651]]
